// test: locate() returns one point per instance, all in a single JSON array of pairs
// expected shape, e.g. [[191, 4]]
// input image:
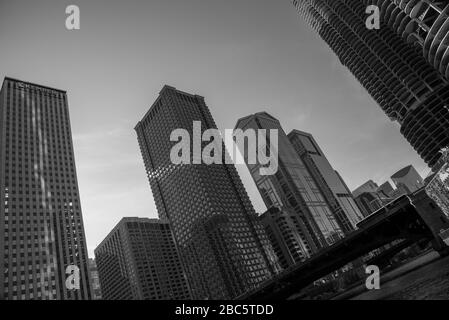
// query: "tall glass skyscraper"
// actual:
[[293, 186], [330, 183], [403, 65], [41, 225], [223, 247]]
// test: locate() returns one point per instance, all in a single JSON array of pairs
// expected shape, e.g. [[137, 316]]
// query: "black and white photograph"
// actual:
[[224, 159]]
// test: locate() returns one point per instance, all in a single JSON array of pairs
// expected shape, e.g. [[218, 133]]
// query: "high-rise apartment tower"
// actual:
[[404, 64]]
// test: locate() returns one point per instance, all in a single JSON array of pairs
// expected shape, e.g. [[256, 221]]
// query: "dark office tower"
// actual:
[[224, 252], [401, 75], [327, 179], [292, 185], [138, 260], [41, 226]]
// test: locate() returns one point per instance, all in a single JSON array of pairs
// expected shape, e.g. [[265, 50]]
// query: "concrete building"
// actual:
[[404, 65], [41, 225], [223, 251], [138, 260], [369, 186]]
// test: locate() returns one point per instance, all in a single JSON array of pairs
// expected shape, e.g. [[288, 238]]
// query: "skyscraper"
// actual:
[[223, 248], [292, 186], [41, 225], [403, 65], [138, 260], [328, 180]]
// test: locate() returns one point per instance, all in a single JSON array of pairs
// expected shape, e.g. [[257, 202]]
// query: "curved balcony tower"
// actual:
[[395, 64]]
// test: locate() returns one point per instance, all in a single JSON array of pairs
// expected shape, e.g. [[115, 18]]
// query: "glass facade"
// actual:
[[293, 186], [223, 248], [328, 180]]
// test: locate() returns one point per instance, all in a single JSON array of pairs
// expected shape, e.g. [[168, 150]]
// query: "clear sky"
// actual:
[[243, 56]]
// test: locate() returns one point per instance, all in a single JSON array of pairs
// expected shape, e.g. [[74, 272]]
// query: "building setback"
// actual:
[[223, 248], [403, 65], [41, 225], [138, 260]]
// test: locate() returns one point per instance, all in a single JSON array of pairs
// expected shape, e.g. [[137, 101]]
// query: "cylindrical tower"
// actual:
[[394, 68]]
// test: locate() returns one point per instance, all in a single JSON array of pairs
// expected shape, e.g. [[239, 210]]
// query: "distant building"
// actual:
[[408, 178], [370, 202], [286, 235], [329, 181], [138, 260], [95, 280], [369, 186], [386, 189]]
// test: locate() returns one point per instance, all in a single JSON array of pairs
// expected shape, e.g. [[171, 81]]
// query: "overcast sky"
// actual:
[[243, 56]]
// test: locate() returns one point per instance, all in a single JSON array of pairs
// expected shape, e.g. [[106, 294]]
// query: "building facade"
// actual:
[[292, 186], [138, 260], [369, 202], [283, 227], [408, 179], [386, 188], [41, 225], [403, 65], [223, 250], [437, 187], [94, 280], [369, 186], [331, 184]]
